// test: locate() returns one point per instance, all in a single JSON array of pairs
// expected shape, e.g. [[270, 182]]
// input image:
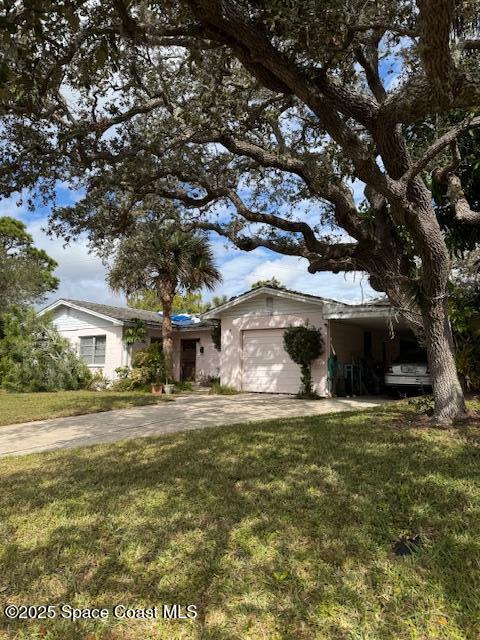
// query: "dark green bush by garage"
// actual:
[[304, 344]]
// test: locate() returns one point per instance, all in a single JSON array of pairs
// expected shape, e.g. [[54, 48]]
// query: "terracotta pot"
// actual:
[[157, 389]]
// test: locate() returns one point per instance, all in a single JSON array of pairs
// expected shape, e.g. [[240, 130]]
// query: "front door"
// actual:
[[188, 356]]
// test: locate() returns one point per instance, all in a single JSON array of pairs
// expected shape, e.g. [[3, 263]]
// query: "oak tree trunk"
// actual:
[[436, 266], [447, 391]]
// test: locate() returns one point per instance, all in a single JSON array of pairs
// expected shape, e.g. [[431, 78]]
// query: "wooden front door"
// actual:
[[188, 357]]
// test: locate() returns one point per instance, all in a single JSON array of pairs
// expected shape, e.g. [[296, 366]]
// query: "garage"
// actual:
[[266, 366]]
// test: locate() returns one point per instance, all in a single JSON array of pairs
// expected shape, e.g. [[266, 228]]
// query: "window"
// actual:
[[92, 349]]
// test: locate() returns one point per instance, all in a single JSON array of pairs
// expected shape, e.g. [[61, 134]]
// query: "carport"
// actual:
[[364, 339]]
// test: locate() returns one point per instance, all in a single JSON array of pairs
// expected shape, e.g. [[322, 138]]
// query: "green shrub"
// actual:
[[136, 332], [467, 358], [422, 404], [148, 367], [139, 378], [464, 308], [34, 357], [222, 390], [152, 363], [98, 382], [183, 386], [304, 344], [122, 372]]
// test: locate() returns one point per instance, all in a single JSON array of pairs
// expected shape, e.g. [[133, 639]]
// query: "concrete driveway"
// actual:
[[186, 413]]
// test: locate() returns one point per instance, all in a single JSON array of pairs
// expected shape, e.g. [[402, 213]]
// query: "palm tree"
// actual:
[[158, 256]]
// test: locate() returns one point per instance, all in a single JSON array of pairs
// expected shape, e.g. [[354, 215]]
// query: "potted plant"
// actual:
[[157, 388], [168, 387], [158, 373]]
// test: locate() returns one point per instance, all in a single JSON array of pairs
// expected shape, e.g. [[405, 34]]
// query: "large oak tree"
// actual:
[[257, 118]]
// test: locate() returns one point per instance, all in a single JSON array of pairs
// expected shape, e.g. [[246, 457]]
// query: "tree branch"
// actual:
[[367, 57], [335, 258], [274, 71], [461, 207], [435, 24], [446, 175], [337, 194], [439, 145], [470, 45]]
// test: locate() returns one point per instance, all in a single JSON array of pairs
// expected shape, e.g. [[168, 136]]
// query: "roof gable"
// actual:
[[117, 315], [301, 298]]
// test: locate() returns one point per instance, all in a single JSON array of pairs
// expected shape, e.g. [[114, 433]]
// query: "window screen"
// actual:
[[92, 349]]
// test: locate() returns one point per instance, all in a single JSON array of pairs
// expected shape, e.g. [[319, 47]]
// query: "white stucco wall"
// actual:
[[258, 313], [73, 324], [207, 363]]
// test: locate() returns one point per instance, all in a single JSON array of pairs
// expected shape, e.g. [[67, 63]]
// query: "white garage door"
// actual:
[[267, 367]]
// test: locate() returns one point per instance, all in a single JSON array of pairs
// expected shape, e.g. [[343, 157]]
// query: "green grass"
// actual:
[[277, 531], [218, 389], [24, 407]]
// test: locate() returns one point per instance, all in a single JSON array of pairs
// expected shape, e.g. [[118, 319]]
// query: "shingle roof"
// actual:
[[118, 313], [126, 314]]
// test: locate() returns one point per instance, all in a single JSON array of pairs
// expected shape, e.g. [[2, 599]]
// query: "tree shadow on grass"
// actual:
[[275, 530]]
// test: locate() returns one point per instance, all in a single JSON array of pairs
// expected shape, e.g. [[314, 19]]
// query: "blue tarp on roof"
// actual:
[[184, 319]]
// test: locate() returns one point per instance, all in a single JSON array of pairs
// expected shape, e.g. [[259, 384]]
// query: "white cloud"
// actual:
[[10, 207], [293, 273], [243, 269], [82, 275]]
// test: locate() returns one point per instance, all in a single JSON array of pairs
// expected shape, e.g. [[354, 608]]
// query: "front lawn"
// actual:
[[282, 530], [24, 407]]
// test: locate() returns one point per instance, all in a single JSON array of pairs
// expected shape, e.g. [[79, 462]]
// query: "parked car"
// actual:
[[409, 372]]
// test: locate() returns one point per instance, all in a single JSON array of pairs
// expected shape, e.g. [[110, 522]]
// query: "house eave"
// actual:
[[191, 328], [71, 305], [347, 312]]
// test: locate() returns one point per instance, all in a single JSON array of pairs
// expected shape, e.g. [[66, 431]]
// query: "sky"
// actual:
[[82, 274]]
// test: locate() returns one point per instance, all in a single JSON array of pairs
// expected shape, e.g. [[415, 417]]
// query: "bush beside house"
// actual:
[[464, 306], [304, 344], [148, 368], [34, 357]]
